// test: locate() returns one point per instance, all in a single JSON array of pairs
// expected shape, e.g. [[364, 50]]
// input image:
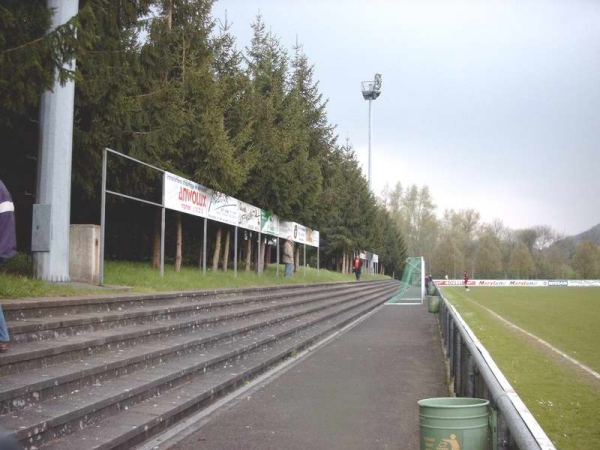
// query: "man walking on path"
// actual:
[[288, 257], [8, 248]]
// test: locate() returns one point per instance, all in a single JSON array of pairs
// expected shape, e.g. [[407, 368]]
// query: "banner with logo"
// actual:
[[186, 196], [493, 283], [249, 217], [312, 237], [223, 208], [269, 223], [299, 233]]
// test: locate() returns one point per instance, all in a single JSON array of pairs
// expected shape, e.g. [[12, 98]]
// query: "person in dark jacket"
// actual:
[[8, 248]]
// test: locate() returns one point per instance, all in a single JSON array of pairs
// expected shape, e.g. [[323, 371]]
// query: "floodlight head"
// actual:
[[372, 89], [377, 82]]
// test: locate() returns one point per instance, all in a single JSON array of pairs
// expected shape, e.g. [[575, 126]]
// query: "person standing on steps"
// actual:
[[288, 257], [8, 248]]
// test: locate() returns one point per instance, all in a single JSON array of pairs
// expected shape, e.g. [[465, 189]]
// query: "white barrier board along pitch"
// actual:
[[519, 283]]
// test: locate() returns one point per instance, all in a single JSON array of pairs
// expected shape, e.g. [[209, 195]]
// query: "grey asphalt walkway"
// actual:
[[358, 392]]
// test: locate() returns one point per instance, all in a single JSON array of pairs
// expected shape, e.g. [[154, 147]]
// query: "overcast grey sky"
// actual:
[[495, 105]]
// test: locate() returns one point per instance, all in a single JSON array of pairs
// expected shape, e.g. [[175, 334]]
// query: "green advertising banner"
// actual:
[[269, 223]]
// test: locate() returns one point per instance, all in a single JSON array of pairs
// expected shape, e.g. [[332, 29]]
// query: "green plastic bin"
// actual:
[[433, 303], [454, 423]]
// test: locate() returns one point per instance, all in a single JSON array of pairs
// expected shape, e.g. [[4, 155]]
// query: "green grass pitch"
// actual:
[[564, 398]]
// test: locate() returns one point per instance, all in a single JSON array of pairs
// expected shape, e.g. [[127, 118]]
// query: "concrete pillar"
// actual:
[[51, 260], [84, 249]]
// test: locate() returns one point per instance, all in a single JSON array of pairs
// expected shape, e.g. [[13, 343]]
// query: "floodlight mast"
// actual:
[[370, 91]]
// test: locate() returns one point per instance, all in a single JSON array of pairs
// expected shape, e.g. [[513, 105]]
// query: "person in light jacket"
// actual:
[[288, 257], [8, 248]]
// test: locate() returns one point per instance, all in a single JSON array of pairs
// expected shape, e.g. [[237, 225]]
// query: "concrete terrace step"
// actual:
[[137, 422], [116, 376], [104, 400], [25, 389], [35, 329], [22, 309], [33, 355]]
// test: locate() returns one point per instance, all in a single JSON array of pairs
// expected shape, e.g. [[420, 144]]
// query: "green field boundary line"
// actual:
[[587, 369]]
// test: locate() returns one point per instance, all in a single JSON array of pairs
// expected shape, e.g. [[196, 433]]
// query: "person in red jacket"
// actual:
[[356, 266], [466, 282]]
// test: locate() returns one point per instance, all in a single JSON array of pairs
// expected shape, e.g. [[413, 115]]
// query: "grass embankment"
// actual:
[[564, 399], [16, 281]]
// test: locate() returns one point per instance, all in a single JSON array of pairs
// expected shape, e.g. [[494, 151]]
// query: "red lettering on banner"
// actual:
[[193, 196]]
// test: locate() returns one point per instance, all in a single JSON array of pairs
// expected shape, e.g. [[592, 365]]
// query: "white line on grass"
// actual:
[[534, 427], [541, 341]]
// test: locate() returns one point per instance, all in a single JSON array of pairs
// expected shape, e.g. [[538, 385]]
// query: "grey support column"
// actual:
[[258, 259], [235, 252], [204, 247], [51, 261], [318, 262]]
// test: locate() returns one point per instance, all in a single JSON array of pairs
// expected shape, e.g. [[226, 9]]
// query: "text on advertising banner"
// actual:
[[249, 217], [223, 208], [300, 233], [186, 196]]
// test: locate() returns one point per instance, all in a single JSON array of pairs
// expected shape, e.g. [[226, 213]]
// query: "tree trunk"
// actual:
[[344, 263], [170, 15], [263, 248], [179, 244], [226, 251], [156, 241], [248, 254], [217, 253]]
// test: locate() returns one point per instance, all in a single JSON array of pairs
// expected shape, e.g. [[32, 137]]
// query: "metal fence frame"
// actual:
[[470, 375], [162, 207]]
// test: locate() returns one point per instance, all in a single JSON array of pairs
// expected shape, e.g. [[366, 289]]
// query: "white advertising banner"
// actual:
[[249, 217], [312, 237], [448, 282], [584, 283], [223, 208], [286, 229], [493, 283], [299, 233], [186, 196]]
